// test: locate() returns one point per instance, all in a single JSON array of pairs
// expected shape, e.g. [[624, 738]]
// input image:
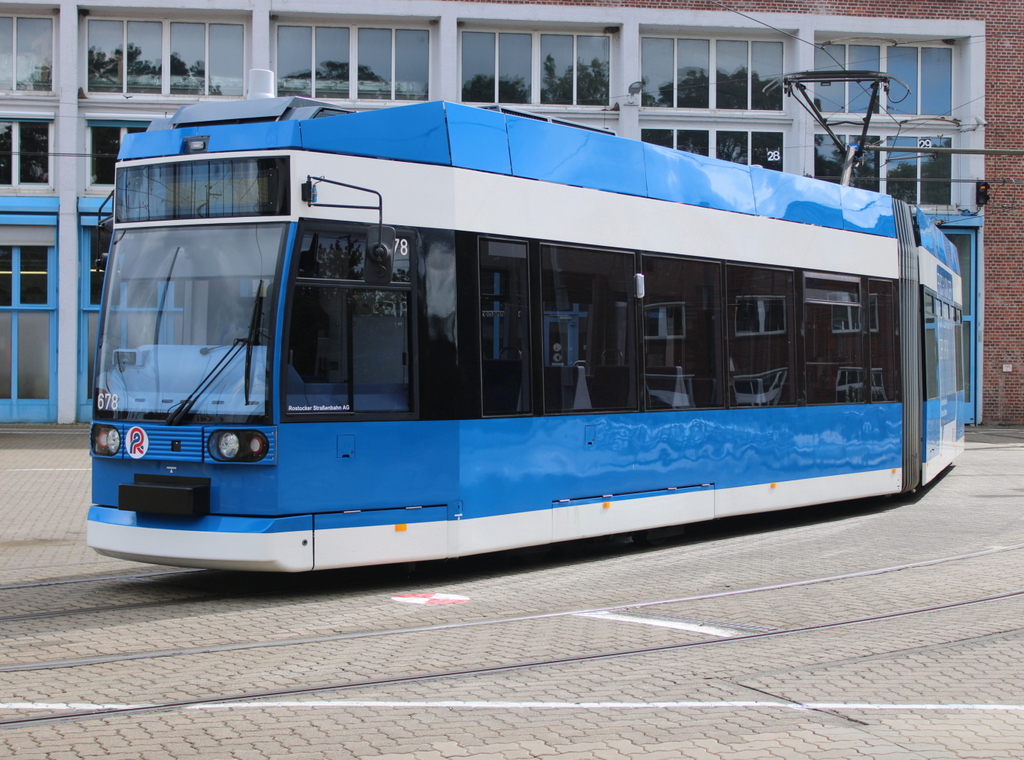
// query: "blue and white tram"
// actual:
[[334, 339]]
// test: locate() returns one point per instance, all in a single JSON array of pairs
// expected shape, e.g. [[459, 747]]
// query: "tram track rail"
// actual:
[[353, 635], [114, 607], [98, 578], [226, 700]]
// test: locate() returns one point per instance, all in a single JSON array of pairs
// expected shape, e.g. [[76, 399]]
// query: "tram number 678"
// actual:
[[106, 401]]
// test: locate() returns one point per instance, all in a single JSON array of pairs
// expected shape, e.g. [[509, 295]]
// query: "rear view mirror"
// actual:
[[380, 255], [101, 243]]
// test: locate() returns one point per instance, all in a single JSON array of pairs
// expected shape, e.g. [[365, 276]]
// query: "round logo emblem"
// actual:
[[138, 443]]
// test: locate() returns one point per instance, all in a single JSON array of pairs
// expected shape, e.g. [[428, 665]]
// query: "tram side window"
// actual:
[[961, 341], [931, 347], [348, 347], [834, 340], [504, 327], [682, 333], [947, 332], [885, 347], [348, 351], [589, 354], [339, 254], [760, 310]]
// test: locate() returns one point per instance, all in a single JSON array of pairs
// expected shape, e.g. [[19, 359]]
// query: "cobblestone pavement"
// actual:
[[884, 628]]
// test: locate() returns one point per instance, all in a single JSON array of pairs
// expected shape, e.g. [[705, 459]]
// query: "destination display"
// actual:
[[207, 189]]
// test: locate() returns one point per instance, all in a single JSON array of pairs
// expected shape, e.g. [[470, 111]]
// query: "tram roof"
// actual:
[[451, 134]]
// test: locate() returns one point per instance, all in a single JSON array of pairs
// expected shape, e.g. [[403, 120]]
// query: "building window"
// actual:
[[557, 69], [926, 71], [105, 142], [574, 69], [676, 74], [919, 179], [24, 153], [749, 148], [159, 57], [25, 323], [26, 53], [497, 68], [845, 96], [315, 61], [394, 64], [829, 162]]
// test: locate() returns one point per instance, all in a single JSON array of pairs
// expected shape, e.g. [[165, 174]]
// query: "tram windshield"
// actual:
[[186, 327]]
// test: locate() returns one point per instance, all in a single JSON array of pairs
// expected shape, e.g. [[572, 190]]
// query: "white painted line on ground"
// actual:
[[49, 469], [483, 705], [679, 625], [83, 431]]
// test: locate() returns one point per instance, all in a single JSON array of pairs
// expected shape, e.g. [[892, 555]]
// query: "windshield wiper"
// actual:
[[183, 407], [179, 410], [253, 338]]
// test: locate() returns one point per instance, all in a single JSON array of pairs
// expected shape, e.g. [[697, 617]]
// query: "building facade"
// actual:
[[696, 75]]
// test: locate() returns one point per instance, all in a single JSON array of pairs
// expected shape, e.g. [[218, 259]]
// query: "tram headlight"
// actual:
[[228, 445], [238, 445], [106, 440]]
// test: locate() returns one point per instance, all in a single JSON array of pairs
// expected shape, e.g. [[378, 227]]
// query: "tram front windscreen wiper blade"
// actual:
[[183, 407], [253, 338]]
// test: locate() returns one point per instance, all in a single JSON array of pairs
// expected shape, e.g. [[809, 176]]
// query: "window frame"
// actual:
[[354, 94], [14, 81], [16, 154], [889, 102], [496, 44], [537, 90], [712, 134], [18, 309], [314, 59], [779, 385], [527, 398], [649, 99], [166, 76], [630, 333], [295, 281], [684, 384], [124, 130], [932, 179]]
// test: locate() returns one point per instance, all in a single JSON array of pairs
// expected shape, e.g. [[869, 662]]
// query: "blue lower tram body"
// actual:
[[349, 494]]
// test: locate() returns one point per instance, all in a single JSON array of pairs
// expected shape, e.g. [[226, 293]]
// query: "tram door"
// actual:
[[505, 327]]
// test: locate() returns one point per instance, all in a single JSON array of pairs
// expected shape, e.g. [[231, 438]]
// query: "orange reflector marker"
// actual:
[[774, 484], [606, 505], [400, 527]]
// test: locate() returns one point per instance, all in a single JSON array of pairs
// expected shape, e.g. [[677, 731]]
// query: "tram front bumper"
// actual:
[[214, 542]]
